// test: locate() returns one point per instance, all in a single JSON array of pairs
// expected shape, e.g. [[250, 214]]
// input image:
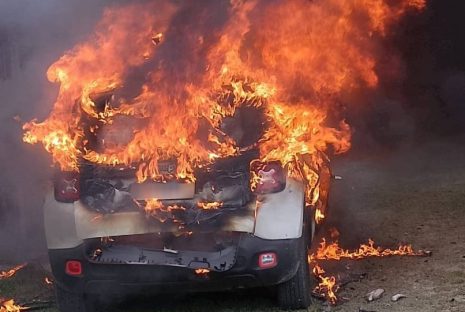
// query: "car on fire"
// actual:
[[242, 223]]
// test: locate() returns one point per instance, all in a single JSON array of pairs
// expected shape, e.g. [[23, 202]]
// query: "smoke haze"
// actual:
[[33, 34], [427, 98]]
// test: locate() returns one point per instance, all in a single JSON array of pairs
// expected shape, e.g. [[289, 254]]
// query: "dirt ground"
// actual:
[[411, 195], [417, 196]]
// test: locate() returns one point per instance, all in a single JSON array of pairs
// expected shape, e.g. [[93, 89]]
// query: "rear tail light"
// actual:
[[267, 260], [66, 186], [269, 177], [73, 268]]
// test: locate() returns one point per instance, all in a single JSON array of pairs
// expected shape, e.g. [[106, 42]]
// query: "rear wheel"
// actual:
[[73, 302], [296, 292]]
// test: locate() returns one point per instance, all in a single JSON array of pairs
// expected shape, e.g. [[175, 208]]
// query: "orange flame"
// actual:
[[212, 205], [156, 209], [333, 251], [202, 271], [93, 67], [328, 284], [292, 60], [290, 70], [9, 273], [152, 205], [319, 216], [10, 306]]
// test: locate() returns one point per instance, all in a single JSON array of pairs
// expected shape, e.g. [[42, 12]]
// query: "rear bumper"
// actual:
[[280, 216], [137, 279]]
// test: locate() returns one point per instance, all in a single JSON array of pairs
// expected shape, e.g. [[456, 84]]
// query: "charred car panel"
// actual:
[[123, 223], [67, 225]]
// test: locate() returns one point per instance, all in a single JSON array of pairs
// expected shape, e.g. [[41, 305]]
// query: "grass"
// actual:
[[28, 288]]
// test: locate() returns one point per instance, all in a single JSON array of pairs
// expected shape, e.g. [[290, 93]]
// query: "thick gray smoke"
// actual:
[[33, 34]]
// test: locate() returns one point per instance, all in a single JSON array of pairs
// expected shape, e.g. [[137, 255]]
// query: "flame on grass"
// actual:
[[10, 306], [9, 273], [332, 251], [327, 284]]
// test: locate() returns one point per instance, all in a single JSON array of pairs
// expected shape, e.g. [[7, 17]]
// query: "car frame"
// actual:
[[271, 249]]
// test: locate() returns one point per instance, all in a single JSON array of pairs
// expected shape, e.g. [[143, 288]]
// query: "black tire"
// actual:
[[296, 292], [73, 302]]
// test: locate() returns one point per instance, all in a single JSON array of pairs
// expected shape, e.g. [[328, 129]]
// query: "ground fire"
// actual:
[[250, 86], [9, 273], [327, 286], [8, 305]]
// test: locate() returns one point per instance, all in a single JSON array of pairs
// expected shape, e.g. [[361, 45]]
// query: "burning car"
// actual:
[[237, 222], [190, 142]]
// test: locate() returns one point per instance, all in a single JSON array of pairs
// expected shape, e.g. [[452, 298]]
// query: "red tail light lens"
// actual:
[[73, 268], [67, 188], [268, 177], [267, 260]]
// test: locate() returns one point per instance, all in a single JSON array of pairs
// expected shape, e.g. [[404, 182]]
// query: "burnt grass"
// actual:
[[412, 195]]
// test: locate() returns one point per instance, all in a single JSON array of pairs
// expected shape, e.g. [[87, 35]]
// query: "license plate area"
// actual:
[[169, 190]]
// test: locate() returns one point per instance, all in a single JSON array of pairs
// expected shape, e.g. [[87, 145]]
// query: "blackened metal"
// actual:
[[214, 260]]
